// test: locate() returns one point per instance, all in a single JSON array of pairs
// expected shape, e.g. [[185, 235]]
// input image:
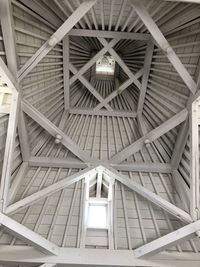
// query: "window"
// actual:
[[97, 216], [105, 65]]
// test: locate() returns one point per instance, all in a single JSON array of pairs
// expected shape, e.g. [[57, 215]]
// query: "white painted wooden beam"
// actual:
[[7, 77], [66, 54], [154, 198], [7, 27], [55, 38], [110, 34], [141, 124], [151, 136], [194, 160], [180, 144], [182, 189], [89, 87], [164, 45], [50, 190], [116, 113], [56, 162], [77, 164], [145, 77], [9, 151], [143, 167], [99, 183], [17, 181], [27, 235], [69, 257], [53, 130], [168, 240]]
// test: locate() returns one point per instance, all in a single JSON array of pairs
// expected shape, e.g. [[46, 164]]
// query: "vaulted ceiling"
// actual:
[[70, 136]]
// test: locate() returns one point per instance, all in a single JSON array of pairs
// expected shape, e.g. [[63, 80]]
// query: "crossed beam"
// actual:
[[149, 249], [33, 238], [107, 47]]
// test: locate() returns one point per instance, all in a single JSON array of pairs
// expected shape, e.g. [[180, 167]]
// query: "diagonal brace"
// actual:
[[89, 87]]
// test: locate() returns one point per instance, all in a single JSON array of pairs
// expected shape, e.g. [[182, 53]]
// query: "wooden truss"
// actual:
[[90, 165]]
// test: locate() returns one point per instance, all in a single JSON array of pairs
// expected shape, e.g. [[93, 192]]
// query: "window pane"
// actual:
[[97, 216]]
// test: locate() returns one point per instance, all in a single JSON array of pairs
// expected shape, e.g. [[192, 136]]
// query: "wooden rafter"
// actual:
[[66, 71], [53, 130], [73, 163], [145, 77], [28, 236], [110, 34], [194, 159], [169, 240], [10, 71], [9, 151], [164, 45], [50, 190], [25, 255], [116, 113], [151, 136], [55, 38], [154, 198]]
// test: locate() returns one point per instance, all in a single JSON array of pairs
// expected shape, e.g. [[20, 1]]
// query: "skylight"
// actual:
[[97, 216], [105, 65]]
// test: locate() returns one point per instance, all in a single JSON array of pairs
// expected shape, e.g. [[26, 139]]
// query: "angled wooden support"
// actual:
[[66, 53], [55, 38], [7, 25], [154, 198], [119, 90], [151, 136], [17, 182], [164, 45], [53, 130], [180, 144], [7, 77], [99, 183], [12, 84], [93, 60], [145, 77], [194, 160], [121, 63], [9, 151], [27, 235], [182, 189], [169, 240], [89, 87], [141, 124], [50, 190]]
